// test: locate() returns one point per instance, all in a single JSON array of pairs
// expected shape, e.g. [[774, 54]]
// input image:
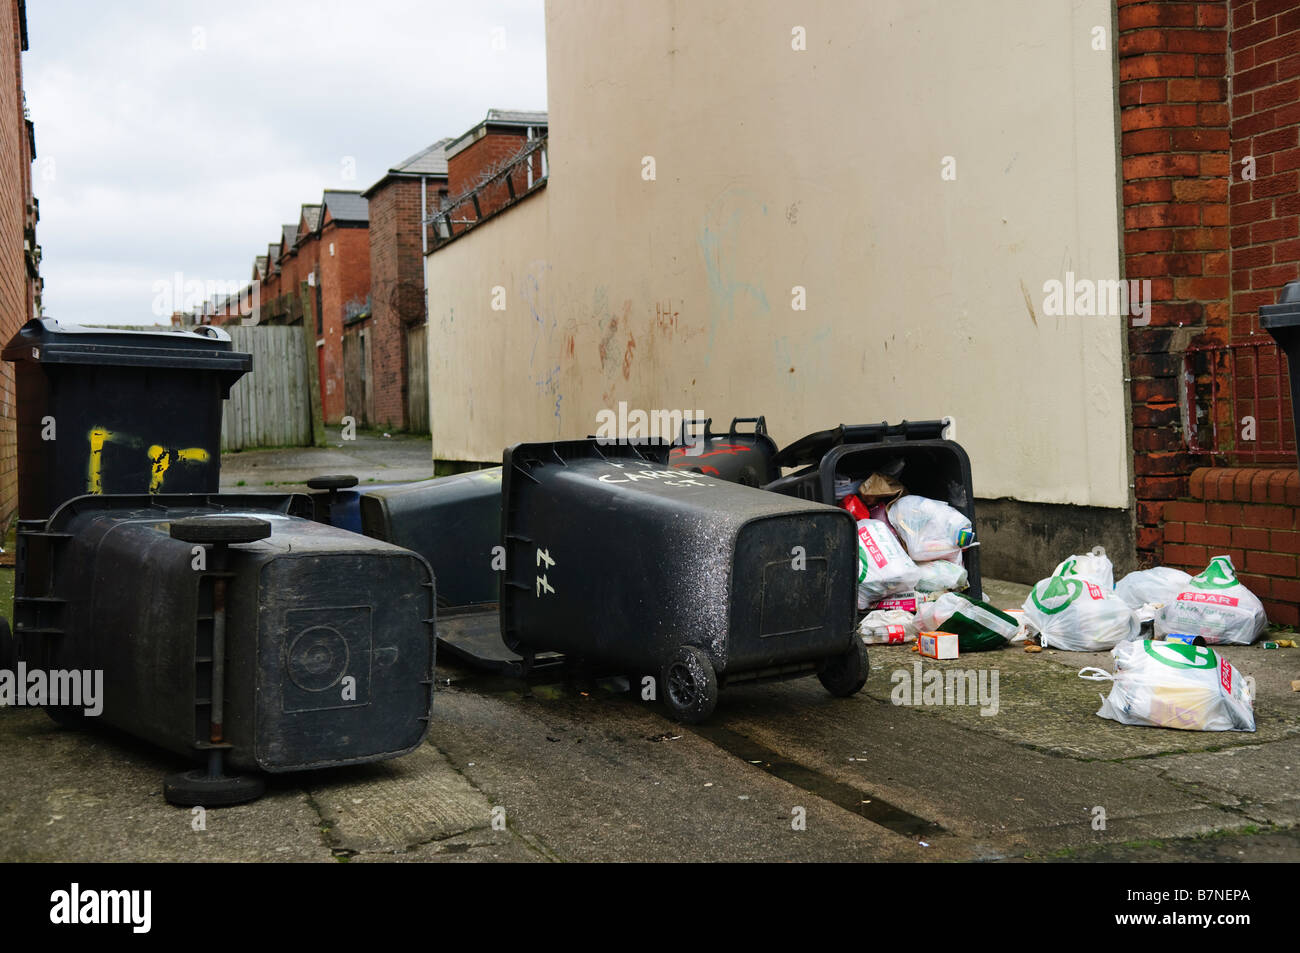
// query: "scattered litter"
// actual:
[[1033, 647], [888, 627], [708, 784], [1281, 644], [923, 843], [977, 624], [937, 645], [1174, 685], [1075, 613], [1159, 585], [1295, 685], [1215, 606]]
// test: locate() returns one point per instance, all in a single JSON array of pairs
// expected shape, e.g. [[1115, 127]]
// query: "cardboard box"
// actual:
[[937, 645]]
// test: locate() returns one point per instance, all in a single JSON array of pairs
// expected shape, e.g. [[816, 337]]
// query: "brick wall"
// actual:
[[1202, 87], [1250, 514], [15, 286], [1174, 121], [1264, 37], [396, 289]]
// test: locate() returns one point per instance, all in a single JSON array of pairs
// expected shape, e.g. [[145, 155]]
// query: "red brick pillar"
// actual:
[[1175, 166]]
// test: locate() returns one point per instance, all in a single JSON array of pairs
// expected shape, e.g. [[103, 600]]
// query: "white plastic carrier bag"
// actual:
[[930, 529], [1146, 586], [1078, 615], [1215, 606], [1175, 685]]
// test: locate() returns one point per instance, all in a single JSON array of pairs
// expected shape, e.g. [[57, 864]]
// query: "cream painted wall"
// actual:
[[818, 168]]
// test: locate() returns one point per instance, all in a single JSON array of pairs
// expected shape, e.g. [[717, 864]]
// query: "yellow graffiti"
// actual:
[[162, 459], [98, 437]]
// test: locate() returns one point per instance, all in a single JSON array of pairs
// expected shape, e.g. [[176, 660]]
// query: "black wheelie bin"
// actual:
[[635, 568]]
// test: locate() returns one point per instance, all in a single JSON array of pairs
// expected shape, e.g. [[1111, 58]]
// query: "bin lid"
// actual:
[[810, 449], [47, 341], [1284, 314]]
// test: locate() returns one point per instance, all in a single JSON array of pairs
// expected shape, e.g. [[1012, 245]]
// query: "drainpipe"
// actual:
[[424, 215]]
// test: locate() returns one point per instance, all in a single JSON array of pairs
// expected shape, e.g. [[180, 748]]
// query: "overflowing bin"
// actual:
[[915, 453], [636, 568]]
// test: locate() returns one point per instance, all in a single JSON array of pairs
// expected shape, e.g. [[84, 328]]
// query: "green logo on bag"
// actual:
[[1181, 654], [1218, 575], [1058, 594]]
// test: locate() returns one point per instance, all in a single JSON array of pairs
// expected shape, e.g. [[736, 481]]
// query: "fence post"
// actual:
[[313, 372]]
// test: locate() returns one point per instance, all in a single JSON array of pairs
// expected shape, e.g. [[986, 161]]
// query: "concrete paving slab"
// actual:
[[1263, 781], [597, 777], [88, 796], [397, 805], [1002, 796]]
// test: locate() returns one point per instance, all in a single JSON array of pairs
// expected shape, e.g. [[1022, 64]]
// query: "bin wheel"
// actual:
[[844, 674], [690, 686], [220, 529], [332, 481], [197, 788]]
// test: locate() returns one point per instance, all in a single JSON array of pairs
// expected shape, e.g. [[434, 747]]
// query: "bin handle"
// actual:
[[760, 424], [688, 421]]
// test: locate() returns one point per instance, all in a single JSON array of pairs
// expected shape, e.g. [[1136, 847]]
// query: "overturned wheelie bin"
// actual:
[[232, 630], [634, 568]]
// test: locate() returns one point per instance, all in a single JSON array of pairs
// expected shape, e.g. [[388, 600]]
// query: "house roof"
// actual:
[[495, 117], [272, 253], [288, 235], [516, 117], [310, 217], [429, 161], [259, 266], [345, 206]]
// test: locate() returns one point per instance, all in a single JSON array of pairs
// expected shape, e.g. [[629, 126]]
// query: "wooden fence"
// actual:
[[270, 406]]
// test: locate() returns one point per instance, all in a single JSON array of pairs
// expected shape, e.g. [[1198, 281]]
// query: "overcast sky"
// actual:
[[178, 135]]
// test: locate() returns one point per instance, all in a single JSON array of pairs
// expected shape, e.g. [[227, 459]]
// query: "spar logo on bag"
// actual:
[[1208, 597], [1094, 591], [1183, 655], [1219, 574], [1059, 594], [877, 556], [1225, 675]]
